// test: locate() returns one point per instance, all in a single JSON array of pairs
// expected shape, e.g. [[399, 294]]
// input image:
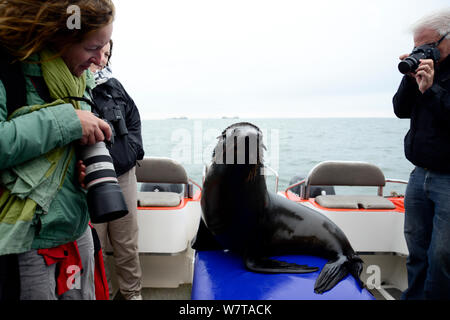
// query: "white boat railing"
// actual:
[[380, 189], [277, 178]]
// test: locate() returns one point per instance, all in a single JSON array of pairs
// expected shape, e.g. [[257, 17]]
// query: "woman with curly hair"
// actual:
[[43, 210]]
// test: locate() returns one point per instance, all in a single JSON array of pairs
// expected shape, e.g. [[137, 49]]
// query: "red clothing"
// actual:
[[69, 263], [101, 285], [68, 259]]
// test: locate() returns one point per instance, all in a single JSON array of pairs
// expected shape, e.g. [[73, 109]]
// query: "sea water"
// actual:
[[294, 146]]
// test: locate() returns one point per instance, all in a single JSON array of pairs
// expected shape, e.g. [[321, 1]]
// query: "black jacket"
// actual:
[[127, 148], [427, 143]]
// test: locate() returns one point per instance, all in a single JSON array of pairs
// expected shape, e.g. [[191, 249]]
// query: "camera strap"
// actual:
[[89, 102], [441, 39], [94, 111]]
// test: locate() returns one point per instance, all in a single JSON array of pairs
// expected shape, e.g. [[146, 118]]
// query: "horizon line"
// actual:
[[181, 118]]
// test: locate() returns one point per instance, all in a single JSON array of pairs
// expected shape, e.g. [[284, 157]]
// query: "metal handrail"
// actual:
[[195, 183], [295, 185], [380, 191], [277, 178], [380, 188], [397, 181]]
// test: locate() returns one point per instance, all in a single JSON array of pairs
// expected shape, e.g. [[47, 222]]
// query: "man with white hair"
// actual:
[[424, 97]]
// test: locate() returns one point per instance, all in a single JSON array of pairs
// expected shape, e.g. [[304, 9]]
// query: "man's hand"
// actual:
[[94, 128], [404, 56], [425, 74]]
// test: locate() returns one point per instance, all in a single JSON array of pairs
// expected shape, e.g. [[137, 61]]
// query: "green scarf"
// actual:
[[32, 186]]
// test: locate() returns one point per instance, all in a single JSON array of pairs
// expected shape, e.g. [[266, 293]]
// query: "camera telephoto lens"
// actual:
[[105, 198]]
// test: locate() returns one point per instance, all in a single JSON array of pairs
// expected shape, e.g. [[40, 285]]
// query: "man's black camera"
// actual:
[[426, 51], [113, 115], [411, 63]]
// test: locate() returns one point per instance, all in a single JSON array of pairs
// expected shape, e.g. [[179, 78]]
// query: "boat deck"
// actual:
[[183, 292], [388, 290], [387, 294]]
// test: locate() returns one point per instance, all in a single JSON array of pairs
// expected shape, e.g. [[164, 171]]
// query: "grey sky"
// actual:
[[263, 58]]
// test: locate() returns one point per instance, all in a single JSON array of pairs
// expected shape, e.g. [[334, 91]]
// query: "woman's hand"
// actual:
[[94, 128], [81, 168]]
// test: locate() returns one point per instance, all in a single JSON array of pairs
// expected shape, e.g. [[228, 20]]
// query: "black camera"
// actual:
[[113, 116], [105, 199], [411, 63], [426, 51]]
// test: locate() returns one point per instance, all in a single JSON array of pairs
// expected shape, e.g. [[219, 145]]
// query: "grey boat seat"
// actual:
[[348, 173], [354, 202], [160, 170], [158, 199]]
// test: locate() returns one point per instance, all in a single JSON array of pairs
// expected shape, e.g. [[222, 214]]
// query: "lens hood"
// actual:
[[106, 203]]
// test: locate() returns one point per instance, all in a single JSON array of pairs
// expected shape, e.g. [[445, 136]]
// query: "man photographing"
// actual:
[[424, 97]]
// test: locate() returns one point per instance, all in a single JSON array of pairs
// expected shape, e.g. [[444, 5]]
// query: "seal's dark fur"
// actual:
[[240, 214]]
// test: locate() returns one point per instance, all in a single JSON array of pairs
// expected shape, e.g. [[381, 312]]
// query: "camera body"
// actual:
[[113, 115], [411, 63]]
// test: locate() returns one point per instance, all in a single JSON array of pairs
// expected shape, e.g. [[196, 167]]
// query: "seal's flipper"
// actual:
[[355, 268], [331, 274], [266, 265]]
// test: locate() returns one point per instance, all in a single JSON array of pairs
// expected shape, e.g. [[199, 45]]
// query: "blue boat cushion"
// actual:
[[221, 275]]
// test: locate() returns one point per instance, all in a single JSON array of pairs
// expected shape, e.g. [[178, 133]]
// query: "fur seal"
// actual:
[[240, 214]]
